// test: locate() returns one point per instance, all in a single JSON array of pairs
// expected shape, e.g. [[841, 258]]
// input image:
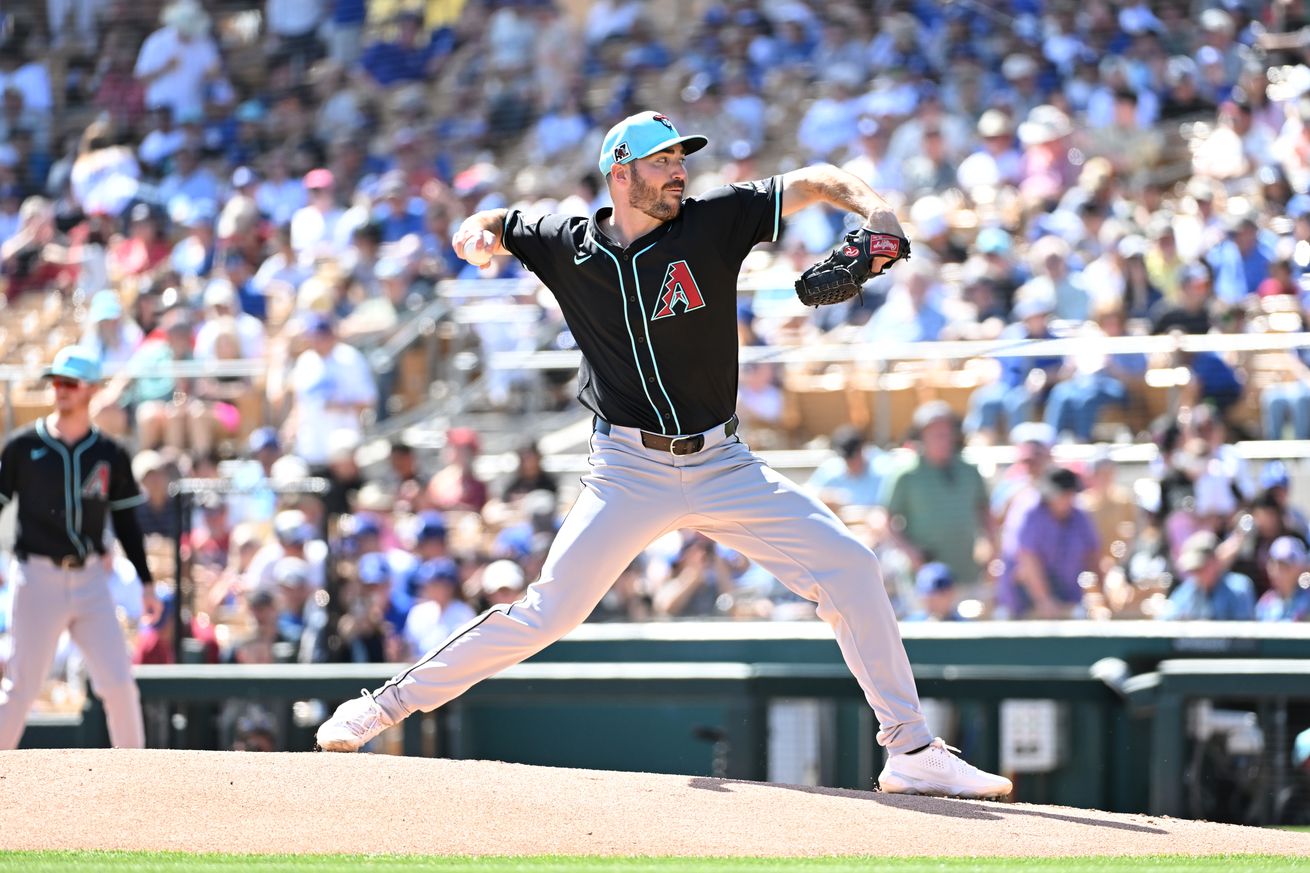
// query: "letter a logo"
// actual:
[[679, 287]]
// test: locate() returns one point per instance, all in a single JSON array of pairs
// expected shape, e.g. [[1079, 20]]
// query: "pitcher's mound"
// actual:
[[325, 803]]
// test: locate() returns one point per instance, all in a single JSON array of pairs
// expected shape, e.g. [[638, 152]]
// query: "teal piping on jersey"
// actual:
[[623, 292], [650, 341], [68, 483], [777, 206], [77, 477], [127, 502], [4, 499]]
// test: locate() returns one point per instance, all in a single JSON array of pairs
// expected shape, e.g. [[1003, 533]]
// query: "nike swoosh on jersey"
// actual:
[[579, 260], [37, 454]]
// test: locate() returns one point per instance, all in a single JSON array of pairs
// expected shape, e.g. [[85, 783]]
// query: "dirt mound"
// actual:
[[233, 802]]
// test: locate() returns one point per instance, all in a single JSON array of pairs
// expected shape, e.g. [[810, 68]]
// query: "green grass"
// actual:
[[177, 862]]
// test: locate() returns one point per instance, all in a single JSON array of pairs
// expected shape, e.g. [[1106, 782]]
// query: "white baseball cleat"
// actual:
[[938, 771], [355, 722]]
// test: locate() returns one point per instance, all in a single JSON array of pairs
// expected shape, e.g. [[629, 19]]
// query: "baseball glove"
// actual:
[[842, 274]]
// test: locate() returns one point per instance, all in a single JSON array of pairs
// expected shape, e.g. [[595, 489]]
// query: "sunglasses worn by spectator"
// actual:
[[67, 384]]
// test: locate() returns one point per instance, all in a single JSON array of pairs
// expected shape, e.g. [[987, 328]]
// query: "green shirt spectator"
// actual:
[[936, 506]]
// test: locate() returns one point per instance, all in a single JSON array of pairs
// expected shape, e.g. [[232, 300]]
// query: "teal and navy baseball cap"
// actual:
[[75, 362], [642, 135]]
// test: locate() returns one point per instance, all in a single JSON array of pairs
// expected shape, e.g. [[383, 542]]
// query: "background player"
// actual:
[[68, 478], [649, 290]]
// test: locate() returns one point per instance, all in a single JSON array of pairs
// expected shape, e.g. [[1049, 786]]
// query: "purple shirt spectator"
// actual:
[[1064, 547]]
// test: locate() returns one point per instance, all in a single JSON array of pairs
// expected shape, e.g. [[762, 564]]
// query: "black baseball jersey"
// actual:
[[65, 492], [656, 321]]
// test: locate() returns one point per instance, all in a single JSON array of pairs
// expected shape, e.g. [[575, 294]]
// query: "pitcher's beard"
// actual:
[[651, 200]]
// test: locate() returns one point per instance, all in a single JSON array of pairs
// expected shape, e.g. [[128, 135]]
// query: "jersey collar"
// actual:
[[45, 434], [597, 235]]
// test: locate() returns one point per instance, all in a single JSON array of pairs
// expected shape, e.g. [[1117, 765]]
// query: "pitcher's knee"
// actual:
[[118, 694], [548, 618]]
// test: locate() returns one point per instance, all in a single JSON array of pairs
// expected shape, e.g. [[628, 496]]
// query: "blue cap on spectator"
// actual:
[[317, 322], [1289, 550], [367, 525], [993, 241], [75, 362], [263, 439], [374, 569], [431, 526], [642, 135], [436, 570], [105, 306], [1299, 206], [251, 111], [933, 577], [515, 541], [1275, 475]]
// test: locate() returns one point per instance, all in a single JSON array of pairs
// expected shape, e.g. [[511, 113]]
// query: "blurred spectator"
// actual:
[[334, 387], [936, 505], [1098, 379], [502, 582], [911, 313], [456, 485], [760, 400], [317, 226], [385, 603], [1208, 591], [1255, 536], [178, 61], [935, 587], [700, 582], [1112, 508], [301, 616], [1047, 545], [222, 313], [343, 473], [294, 540], [1023, 380], [528, 475], [854, 476], [1288, 597], [1191, 313], [1241, 262], [438, 610], [23, 263], [110, 336], [1277, 483], [411, 57], [996, 162], [158, 515], [143, 249], [1032, 457]]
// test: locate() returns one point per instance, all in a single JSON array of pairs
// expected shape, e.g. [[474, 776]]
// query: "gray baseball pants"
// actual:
[[49, 599], [634, 495]]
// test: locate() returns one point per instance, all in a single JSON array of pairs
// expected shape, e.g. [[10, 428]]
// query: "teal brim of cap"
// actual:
[[640, 136]]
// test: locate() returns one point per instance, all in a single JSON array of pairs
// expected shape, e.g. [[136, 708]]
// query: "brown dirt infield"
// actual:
[[324, 803]]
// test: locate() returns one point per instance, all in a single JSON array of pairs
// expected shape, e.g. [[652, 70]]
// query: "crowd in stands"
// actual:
[[278, 181]]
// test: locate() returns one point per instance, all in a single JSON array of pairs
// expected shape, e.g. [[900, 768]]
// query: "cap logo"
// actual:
[[664, 120], [621, 153]]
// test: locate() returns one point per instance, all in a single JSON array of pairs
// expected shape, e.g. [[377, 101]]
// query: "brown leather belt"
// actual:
[[678, 445]]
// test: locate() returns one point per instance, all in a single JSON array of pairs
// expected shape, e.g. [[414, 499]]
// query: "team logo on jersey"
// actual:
[[664, 120], [621, 153], [679, 287], [96, 484]]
